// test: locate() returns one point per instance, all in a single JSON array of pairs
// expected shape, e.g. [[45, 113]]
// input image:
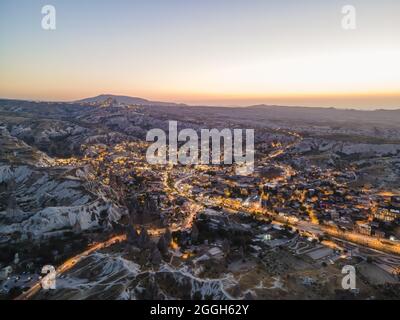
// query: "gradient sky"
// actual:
[[222, 52]]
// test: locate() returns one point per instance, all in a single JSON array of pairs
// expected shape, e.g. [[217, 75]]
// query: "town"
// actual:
[[285, 230]]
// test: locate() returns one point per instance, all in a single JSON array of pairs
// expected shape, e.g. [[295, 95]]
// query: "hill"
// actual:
[[126, 100]]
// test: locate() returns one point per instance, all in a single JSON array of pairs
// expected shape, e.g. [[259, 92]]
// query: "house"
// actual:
[[364, 228]]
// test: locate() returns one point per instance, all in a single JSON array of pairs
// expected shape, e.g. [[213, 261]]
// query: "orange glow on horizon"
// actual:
[[360, 100]]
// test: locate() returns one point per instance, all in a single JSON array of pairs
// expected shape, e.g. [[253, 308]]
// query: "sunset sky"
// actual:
[[219, 52]]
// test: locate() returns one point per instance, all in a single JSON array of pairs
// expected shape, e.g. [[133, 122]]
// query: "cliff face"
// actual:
[[39, 200]]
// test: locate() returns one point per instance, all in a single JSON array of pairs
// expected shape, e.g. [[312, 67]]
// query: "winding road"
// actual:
[[70, 263]]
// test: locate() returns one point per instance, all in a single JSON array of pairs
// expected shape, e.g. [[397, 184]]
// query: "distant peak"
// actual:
[[127, 100]]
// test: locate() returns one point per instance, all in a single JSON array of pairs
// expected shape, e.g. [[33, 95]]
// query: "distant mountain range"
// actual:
[[299, 112], [128, 100], [326, 114]]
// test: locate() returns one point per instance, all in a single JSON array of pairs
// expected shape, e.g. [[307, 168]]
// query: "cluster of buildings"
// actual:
[[313, 194]]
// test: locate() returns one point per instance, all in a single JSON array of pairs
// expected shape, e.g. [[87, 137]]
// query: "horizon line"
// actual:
[[184, 104]]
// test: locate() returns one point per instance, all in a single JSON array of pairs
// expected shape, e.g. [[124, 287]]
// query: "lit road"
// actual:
[[385, 245], [70, 263]]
